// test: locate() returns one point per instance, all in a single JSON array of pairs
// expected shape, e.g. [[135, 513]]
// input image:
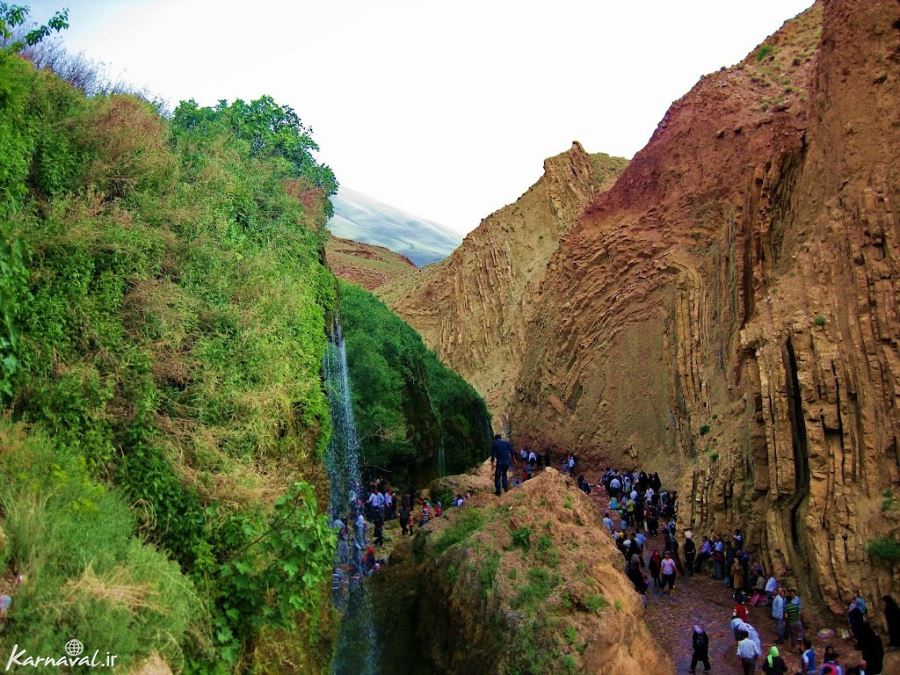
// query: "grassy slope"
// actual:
[[162, 328], [364, 264]]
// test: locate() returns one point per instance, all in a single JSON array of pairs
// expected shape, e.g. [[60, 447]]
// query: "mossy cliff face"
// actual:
[[526, 583], [727, 312]]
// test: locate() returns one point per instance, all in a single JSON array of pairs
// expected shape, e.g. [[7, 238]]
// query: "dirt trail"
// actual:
[[701, 600]]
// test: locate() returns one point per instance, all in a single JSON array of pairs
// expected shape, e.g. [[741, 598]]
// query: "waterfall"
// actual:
[[357, 651]]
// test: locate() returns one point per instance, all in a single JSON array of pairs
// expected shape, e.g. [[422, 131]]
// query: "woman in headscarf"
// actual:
[[773, 663], [655, 566], [700, 643], [634, 573]]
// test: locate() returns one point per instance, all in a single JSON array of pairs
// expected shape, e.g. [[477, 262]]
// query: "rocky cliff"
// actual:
[[473, 308], [728, 311], [527, 583]]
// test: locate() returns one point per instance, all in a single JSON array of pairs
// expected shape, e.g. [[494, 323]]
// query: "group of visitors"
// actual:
[[640, 508], [371, 507]]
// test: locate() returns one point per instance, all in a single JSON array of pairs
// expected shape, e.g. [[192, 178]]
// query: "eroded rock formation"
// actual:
[[728, 311], [474, 307]]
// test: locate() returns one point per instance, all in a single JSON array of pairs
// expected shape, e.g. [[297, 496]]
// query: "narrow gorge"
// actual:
[[724, 307]]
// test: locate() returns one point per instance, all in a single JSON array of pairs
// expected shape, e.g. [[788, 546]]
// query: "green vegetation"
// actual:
[[570, 634], [714, 456], [819, 320], [467, 522], [488, 572], [539, 587], [886, 549], [595, 602], [73, 540], [704, 429], [521, 538], [887, 500], [569, 663], [162, 327], [407, 404], [763, 52]]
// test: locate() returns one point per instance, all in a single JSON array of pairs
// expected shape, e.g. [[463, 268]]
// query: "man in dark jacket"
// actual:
[[501, 453]]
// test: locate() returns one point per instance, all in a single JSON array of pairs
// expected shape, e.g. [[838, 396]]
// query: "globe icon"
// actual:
[[74, 647]]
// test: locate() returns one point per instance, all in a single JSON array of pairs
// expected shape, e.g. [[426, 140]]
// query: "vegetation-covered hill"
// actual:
[[163, 304], [414, 415], [163, 320]]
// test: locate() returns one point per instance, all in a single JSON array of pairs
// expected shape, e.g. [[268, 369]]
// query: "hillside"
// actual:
[[474, 307], [364, 264], [362, 218], [529, 583], [727, 312], [164, 315]]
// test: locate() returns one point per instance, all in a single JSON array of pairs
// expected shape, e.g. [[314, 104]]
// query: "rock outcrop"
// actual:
[[529, 582], [474, 307], [728, 311]]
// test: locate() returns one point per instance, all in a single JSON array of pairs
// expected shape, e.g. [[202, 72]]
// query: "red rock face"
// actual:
[[728, 311]]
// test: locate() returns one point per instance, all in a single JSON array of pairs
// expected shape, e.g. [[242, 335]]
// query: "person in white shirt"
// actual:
[[748, 652]]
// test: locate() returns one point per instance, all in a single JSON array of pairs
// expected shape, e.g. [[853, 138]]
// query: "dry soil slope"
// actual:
[[366, 265], [473, 307], [729, 309]]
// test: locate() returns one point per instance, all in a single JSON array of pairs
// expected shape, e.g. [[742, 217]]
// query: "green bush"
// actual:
[[763, 52], [595, 602], [488, 572], [819, 320], [704, 429], [539, 587], [886, 549]]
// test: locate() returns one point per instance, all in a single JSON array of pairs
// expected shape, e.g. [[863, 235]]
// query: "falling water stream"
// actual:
[[357, 649]]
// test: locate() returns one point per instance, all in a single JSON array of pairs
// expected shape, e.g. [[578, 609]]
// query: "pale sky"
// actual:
[[444, 109]]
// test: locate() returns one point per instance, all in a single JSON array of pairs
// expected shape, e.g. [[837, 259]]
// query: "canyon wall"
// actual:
[[473, 308], [727, 312]]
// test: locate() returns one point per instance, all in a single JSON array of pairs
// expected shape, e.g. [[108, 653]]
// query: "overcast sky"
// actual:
[[445, 109]]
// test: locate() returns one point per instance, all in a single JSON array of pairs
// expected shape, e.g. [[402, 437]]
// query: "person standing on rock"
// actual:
[[700, 643], [501, 454]]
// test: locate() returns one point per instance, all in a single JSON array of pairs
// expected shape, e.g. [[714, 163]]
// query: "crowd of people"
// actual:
[[361, 530], [640, 508]]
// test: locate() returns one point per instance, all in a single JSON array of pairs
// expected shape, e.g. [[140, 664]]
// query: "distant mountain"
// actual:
[[359, 217]]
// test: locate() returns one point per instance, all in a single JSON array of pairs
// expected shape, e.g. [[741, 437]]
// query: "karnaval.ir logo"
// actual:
[[74, 656]]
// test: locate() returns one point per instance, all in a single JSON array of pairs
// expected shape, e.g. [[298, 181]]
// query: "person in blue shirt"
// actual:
[[501, 454]]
